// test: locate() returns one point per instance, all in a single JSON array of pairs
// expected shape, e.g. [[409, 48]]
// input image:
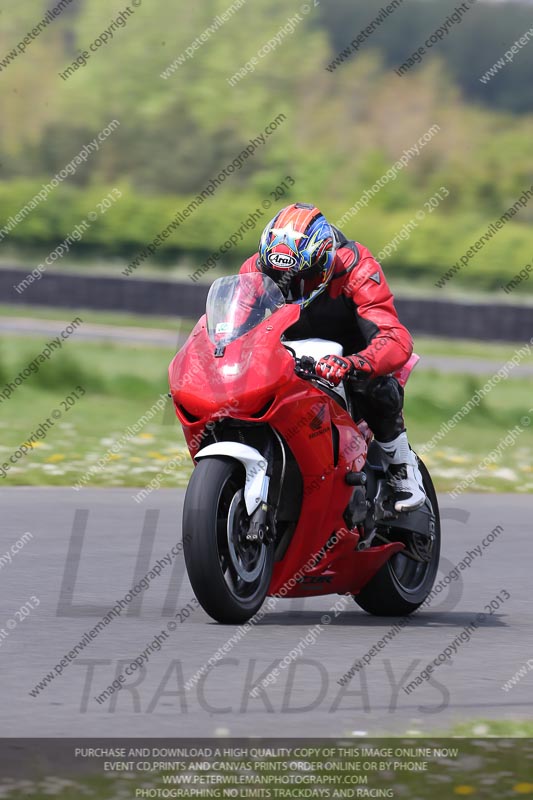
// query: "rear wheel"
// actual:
[[403, 584], [229, 575]]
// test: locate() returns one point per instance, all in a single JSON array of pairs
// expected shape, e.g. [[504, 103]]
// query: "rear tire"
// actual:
[[229, 575], [402, 585]]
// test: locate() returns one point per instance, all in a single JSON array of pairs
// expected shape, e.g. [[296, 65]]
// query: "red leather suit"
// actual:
[[357, 310]]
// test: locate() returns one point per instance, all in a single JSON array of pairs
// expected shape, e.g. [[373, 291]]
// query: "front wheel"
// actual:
[[402, 584], [229, 575]]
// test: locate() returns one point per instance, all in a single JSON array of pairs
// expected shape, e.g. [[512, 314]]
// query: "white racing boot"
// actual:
[[403, 474]]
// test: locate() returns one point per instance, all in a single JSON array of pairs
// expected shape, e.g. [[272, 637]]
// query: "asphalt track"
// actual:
[[77, 570]]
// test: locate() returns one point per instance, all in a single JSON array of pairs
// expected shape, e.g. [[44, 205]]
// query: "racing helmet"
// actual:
[[297, 250]]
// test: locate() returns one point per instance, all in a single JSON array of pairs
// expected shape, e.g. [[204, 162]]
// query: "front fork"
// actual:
[[263, 520]]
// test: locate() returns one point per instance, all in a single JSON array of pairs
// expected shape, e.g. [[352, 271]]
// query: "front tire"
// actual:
[[402, 585], [229, 575]]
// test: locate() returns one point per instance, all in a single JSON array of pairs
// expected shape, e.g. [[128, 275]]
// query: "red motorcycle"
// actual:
[[288, 496]]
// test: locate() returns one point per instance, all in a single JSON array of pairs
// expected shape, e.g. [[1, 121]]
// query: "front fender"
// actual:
[[256, 485]]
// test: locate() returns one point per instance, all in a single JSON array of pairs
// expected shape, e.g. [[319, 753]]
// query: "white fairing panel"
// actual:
[[317, 349], [256, 486]]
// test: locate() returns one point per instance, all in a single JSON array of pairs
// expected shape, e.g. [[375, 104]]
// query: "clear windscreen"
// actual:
[[237, 304]]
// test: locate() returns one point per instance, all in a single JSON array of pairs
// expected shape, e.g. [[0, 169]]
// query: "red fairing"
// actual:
[[363, 281], [255, 380], [253, 369]]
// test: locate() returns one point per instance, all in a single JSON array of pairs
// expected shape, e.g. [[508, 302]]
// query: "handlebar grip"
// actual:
[[307, 362], [305, 366]]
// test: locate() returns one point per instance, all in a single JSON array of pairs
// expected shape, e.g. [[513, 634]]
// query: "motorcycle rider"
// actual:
[[344, 297]]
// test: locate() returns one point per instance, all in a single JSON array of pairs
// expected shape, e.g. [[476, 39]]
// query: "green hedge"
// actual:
[[433, 246]]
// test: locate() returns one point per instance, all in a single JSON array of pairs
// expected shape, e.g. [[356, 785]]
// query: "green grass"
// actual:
[[432, 398], [453, 768], [494, 727], [64, 315], [465, 348], [123, 382], [103, 367]]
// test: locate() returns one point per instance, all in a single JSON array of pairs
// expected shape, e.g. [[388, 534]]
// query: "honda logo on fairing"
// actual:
[[282, 260], [317, 421]]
